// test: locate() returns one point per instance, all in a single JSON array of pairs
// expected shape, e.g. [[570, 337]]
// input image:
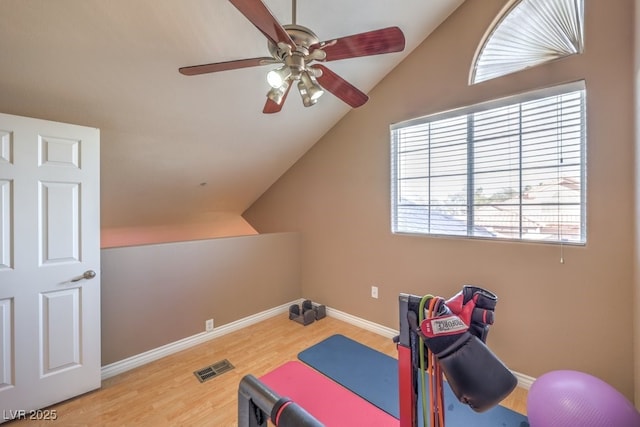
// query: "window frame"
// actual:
[[516, 99]]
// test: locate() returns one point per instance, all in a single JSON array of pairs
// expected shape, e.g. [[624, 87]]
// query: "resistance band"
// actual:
[[436, 394]]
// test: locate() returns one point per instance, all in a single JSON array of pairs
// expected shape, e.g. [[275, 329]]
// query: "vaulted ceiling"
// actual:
[[177, 148]]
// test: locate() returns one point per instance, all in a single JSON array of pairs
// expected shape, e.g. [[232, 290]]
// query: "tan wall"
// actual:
[[576, 315], [157, 294], [636, 299]]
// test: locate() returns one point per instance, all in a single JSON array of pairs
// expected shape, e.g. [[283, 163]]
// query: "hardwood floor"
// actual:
[[167, 393]]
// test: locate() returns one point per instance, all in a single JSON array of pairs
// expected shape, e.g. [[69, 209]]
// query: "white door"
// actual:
[[49, 238]]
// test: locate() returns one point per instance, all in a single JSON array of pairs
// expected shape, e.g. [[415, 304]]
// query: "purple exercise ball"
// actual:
[[576, 399]]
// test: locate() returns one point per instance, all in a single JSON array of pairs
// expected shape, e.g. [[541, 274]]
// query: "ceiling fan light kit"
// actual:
[[309, 89], [277, 94], [296, 48], [276, 78]]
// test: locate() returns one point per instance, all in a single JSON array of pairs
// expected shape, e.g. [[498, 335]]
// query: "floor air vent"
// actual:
[[213, 371]]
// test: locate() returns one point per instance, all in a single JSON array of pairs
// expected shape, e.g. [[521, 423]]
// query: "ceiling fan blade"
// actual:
[[340, 87], [262, 18], [223, 66], [271, 106], [385, 40]]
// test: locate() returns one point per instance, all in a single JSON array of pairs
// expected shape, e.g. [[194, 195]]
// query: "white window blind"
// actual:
[[513, 168], [530, 33]]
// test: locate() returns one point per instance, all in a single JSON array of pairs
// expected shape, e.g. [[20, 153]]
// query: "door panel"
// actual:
[[59, 152], [5, 146], [49, 237], [6, 344], [5, 224], [61, 340], [59, 222]]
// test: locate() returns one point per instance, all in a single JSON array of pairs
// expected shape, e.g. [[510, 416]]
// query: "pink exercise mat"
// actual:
[[329, 402]]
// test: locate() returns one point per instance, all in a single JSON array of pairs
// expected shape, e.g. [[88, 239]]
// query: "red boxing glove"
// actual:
[[475, 306]]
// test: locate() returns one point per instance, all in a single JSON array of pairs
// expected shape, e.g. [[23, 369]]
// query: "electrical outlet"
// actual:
[[208, 325], [374, 292]]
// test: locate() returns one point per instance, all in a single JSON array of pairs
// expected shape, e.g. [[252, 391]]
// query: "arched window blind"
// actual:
[[531, 32], [513, 168]]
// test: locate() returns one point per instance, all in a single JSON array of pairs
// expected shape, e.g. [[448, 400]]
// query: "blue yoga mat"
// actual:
[[373, 376]]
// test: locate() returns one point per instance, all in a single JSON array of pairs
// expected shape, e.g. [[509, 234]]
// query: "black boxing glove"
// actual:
[[476, 376]]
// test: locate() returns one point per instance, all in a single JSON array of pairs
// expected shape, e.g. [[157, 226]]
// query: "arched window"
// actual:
[[529, 33]]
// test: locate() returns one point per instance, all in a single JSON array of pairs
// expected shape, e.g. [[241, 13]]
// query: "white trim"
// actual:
[[132, 362], [524, 381], [362, 323]]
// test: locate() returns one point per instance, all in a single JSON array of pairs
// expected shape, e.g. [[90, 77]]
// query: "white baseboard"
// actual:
[[524, 381], [108, 371], [132, 362], [362, 323]]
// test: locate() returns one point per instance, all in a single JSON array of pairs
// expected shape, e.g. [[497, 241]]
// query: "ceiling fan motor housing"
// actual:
[[301, 36]]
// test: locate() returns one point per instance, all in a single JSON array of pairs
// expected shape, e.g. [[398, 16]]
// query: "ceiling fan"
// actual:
[[298, 50]]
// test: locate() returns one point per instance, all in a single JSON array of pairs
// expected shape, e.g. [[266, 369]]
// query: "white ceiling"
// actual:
[[113, 64]]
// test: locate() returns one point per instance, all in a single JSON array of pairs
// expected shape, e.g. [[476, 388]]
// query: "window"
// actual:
[[507, 169], [530, 33]]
